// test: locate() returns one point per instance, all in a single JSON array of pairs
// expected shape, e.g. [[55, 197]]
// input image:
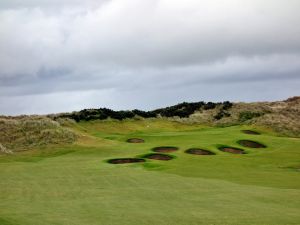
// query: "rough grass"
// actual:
[[73, 184], [26, 132], [283, 117]]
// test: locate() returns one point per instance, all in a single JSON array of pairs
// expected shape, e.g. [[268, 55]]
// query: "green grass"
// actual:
[[73, 184]]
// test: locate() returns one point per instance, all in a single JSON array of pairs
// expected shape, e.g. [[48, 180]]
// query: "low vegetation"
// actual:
[[248, 115], [26, 132], [282, 117], [182, 110]]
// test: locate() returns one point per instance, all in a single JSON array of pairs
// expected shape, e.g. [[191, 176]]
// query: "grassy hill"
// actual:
[[283, 117], [26, 132]]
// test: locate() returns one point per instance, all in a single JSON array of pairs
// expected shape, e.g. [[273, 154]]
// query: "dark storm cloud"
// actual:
[[132, 53]]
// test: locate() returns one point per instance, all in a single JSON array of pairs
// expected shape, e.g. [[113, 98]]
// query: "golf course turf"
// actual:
[[250, 132], [75, 184]]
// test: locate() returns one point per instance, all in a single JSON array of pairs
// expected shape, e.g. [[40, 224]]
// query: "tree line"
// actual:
[[182, 110]]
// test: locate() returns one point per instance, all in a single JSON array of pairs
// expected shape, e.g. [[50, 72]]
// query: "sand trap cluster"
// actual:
[[158, 155]]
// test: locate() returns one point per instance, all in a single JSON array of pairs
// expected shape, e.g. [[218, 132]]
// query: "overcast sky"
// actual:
[[65, 55]]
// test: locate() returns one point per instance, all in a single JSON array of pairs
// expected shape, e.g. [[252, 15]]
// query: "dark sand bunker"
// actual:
[[165, 149], [250, 132], [232, 150], [157, 156], [135, 140], [251, 144], [198, 151], [125, 160]]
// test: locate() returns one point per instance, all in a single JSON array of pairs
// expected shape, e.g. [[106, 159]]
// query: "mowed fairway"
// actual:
[[74, 185]]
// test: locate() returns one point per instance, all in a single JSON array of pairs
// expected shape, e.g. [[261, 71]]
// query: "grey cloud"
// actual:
[[46, 4], [233, 70], [126, 48], [137, 34], [147, 98]]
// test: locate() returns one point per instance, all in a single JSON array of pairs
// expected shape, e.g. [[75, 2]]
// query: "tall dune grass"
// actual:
[[21, 133]]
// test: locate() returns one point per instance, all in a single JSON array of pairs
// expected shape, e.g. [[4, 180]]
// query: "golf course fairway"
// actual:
[[76, 185]]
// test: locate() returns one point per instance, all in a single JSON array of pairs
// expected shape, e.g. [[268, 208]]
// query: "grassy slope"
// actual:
[[27, 132], [281, 116], [73, 185]]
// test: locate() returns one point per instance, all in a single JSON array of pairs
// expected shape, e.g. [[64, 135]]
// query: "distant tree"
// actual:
[[209, 105], [227, 105], [221, 114], [144, 114], [182, 110]]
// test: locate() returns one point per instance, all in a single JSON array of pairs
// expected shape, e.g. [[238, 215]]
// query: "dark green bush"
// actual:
[[182, 110], [221, 114], [248, 115], [144, 114], [209, 105], [227, 105]]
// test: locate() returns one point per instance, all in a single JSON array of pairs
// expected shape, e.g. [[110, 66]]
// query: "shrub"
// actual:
[[248, 115], [227, 105], [144, 114], [221, 114], [209, 105], [182, 110]]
